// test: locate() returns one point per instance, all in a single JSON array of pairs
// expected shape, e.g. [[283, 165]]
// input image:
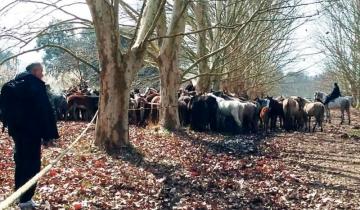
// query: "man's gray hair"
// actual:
[[31, 66]]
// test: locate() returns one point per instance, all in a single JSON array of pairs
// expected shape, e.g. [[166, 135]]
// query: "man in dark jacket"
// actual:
[[39, 125], [334, 94]]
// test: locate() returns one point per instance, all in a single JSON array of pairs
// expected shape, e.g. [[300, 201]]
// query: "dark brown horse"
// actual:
[[149, 97], [275, 111], [140, 111], [88, 105]]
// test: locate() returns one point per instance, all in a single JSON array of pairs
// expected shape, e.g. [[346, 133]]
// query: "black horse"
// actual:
[[203, 111], [275, 111]]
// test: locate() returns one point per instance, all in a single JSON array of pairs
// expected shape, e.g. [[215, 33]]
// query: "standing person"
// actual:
[[35, 125], [334, 94]]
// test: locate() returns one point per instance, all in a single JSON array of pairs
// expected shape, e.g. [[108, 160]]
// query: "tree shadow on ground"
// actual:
[[322, 158], [321, 185], [181, 185], [322, 153], [235, 145], [328, 170], [178, 185]]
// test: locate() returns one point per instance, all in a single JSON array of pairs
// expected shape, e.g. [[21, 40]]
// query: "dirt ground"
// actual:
[[190, 170]]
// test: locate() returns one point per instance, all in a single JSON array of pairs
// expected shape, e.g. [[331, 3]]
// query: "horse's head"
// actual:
[[132, 95], [301, 101], [262, 102], [217, 93], [136, 91], [270, 98], [150, 91], [319, 96]]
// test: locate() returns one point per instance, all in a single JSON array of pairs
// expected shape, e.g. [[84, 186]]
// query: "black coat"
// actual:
[[335, 93], [39, 120]]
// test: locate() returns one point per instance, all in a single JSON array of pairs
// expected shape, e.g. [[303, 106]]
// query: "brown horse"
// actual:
[[148, 107], [291, 113], [89, 105], [317, 110], [155, 109], [132, 111], [265, 118], [140, 104]]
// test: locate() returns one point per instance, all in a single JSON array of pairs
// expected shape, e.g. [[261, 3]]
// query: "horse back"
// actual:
[[340, 103]]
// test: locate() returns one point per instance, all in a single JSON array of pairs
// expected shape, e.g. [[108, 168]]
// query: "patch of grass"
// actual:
[[354, 133]]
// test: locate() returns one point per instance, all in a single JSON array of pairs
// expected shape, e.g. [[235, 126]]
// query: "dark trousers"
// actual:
[[328, 99], [27, 158]]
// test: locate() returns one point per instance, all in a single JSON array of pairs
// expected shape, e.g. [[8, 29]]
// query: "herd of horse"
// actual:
[[75, 104], [217, 111], [224, 112]]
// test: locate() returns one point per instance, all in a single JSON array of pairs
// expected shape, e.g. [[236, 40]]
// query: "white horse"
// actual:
[[351, 100], [231, 108], [342, 103]]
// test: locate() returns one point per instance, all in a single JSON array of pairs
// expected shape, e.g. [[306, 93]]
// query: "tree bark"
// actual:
[[169, 72], [203, 84], [117, 70], [111, 127], [169, 84]]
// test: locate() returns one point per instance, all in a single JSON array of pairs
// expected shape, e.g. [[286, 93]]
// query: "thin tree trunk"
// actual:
[[169, 84], [203, 84], [169, 70]]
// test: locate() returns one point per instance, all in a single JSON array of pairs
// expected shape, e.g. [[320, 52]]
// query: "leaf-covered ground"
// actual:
[[190, 170]]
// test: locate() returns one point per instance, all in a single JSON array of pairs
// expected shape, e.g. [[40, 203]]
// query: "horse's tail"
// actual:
[[287, 117], [347, 104], [322, 113]]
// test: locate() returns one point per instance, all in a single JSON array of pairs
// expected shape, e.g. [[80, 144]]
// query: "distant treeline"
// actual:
[[300, 84]]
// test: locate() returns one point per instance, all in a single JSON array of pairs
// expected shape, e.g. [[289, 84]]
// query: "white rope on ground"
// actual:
[[12, 198]]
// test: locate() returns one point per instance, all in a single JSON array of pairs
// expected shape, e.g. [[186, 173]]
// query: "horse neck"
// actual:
[[306, 101], [218, 99]]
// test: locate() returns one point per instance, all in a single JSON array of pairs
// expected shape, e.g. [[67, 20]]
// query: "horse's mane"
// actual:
[[318, 100]]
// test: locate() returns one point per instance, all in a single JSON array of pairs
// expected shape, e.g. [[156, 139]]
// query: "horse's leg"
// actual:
[[321, 124], [67, 114], [348, 114], [307, 127], [238, 122], [316, 122], [238, 117], [74, 114], [293, 120], [328, 115], [265, 124], [342, 117], [273, 122]]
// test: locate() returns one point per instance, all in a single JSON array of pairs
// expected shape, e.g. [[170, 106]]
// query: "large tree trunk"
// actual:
[[117, 70], [112, 126], [112, 130], [169, 71]]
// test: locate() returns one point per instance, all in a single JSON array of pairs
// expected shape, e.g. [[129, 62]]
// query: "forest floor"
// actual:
[[191, 170]]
